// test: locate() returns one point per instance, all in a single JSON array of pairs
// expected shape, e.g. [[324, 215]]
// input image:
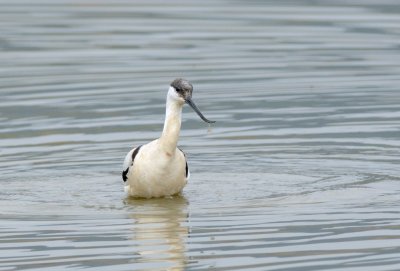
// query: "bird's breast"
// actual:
[[157, 172]]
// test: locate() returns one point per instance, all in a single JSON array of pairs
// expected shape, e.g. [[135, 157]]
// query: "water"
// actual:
[[300, 172]]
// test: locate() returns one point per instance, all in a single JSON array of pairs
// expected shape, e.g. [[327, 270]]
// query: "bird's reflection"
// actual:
[[160, 231]]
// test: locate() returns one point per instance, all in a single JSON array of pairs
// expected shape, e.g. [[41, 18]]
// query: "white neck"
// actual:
[[172, 125]]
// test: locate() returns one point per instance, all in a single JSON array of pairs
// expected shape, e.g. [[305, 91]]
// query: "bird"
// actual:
[[159, 168]]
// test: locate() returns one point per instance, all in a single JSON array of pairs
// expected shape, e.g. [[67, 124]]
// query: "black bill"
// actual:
[[193, 105]]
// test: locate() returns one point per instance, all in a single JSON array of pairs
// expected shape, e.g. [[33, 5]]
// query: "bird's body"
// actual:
[[159, 168], [164, 176]]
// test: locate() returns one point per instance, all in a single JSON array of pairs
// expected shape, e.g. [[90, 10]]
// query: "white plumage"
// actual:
[[159, 168]]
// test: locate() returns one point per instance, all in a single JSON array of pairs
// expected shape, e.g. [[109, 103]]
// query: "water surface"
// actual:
[[300, 172]]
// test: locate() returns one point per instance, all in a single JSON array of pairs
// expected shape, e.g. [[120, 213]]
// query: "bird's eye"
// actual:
[[179, 90]]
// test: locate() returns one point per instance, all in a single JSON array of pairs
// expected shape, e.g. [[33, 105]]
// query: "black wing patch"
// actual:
[[125, 172], [186, 167]]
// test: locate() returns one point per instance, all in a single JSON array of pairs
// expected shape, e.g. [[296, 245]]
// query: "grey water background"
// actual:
[[300, 172]]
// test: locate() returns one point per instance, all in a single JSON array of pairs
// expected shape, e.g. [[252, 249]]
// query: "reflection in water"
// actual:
[[160, 230], [300, 173]]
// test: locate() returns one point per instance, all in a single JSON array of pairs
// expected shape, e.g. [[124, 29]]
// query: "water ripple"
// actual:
[[299, 172]]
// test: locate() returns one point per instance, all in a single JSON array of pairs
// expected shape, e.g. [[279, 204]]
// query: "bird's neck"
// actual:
[[172, 126]]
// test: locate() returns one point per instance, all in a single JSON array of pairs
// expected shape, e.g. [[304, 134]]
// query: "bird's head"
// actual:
[[181, 92]]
